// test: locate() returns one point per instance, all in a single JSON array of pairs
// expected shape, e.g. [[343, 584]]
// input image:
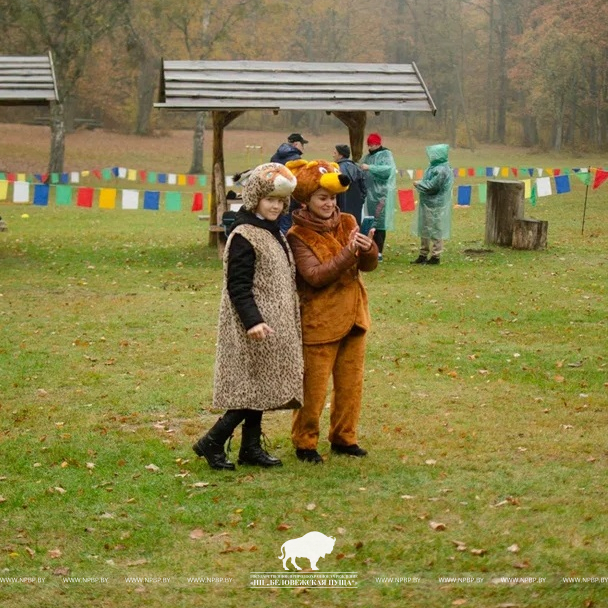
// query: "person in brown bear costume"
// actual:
[[329, 252]]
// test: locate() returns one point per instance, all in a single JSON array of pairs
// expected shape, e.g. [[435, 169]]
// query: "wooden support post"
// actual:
[[530, 234], [221, 120], [505, 204], [355, 121]]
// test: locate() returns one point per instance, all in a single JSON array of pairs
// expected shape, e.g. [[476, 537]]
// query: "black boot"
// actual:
[[433, 260], [211, 446], [421, 259], [251, 451]]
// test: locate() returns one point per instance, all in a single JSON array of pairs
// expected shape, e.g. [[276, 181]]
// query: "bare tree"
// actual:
[[69, 29]]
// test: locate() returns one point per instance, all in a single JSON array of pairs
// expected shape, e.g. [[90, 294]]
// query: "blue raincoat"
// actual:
[[433, 216], [381, 182]]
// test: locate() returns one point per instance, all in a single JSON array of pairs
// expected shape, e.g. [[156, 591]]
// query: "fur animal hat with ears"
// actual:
[[269, 179], [315, 174]]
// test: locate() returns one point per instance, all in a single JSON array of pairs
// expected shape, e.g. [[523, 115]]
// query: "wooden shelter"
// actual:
[[27, 80], [347, 90]]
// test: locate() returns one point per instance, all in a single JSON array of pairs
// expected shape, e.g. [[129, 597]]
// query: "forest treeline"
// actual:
[[520, 72]]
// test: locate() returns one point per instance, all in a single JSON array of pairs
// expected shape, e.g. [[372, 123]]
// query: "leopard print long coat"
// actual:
[[266, 374]]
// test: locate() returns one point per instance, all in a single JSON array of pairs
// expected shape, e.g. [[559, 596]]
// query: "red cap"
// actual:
[[374, 139]]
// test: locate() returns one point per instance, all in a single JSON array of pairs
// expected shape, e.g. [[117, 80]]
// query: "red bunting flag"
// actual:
[[85, 197], [143, 175], [406, 200], [600, 177], [96, 173], [471, 172], [191, 180], [197, 201]]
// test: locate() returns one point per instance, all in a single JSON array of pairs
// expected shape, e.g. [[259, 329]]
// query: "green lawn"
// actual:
[[485, 411]]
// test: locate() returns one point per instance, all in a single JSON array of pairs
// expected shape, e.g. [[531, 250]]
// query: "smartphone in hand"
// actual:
[[367, 224]]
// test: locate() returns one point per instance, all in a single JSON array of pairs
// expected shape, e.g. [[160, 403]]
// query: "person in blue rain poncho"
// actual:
[[433, 218], [381, 178]]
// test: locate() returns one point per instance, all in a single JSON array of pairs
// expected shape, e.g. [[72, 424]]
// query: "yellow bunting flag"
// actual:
[[131, 175], [107, 198]]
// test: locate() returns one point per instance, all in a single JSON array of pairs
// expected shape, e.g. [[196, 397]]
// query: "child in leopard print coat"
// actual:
[[259, 362]]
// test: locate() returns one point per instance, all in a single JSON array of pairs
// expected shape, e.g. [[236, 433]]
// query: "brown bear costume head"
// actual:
[[315, 174]]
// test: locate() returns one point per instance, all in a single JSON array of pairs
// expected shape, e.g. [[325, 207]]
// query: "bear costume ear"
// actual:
[[296, 164]]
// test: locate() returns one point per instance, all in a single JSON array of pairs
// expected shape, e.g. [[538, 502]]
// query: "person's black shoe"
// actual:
[[421, 259], [252, 452], [309, 456], [433, 260], [213, 453], [349, 450]]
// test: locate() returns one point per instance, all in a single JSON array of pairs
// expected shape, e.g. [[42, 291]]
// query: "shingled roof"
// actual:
[[27, 80], [250, 85]]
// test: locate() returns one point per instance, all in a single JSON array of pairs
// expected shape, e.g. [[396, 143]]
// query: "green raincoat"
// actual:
[[433, 216], [381, 180]]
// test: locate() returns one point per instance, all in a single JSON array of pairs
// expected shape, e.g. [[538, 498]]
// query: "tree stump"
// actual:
[[530, 234], [505, 204]]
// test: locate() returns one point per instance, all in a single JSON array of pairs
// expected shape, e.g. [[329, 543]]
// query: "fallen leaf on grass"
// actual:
[[200, 484], [311, 506], [137, 562], [513, 548], [232, 550], [63, 571], [30, 552], [478, 551], [197, 534], [509, 500], [152, 467], [283, 527], [460, 546], [522, 565], [437, 526], [407, 497], [54, 553], [2, 499], [460, 602]]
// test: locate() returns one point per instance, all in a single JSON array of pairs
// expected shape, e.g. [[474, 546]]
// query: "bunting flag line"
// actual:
[[104, 198]]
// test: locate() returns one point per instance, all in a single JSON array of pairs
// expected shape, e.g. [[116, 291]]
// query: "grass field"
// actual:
[[485, 410]]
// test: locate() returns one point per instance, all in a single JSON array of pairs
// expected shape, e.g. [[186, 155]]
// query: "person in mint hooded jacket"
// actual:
[[433, 217], [381, 179]]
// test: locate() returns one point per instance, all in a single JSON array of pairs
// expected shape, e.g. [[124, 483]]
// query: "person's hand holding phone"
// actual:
[[365, 241]]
